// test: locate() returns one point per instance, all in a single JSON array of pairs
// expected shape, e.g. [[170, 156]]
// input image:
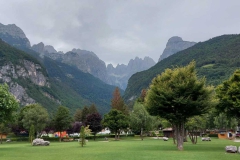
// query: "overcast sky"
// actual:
[[120, 30]]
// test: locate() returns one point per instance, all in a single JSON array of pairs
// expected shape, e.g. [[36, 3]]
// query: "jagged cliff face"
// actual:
[[85, 61], [174, 45], [14, 35], [119, 76], [10, 74]]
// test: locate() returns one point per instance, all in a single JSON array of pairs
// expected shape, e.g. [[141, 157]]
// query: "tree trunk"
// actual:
[[174, 134], [180, 135], [115, 135], [142, 133], [1, 138], [60, 137]]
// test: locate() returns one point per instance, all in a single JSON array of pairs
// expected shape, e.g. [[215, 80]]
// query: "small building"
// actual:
[[168, 132], [3, 135], [224, 134]]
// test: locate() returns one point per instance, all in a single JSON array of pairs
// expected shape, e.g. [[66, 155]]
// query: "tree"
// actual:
[[82, 136], [3, 130], [117, 102], [92, 109], [229, 96], [140, 120], [85, 112], [76, 126], [194, 125], [36, 115], [78, 115], [177, 95], [31, 133], [94, 122], [8, 104], [62, 120], [223, 122], [115, 120]]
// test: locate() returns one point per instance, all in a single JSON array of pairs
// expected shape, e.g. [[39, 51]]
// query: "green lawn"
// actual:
[[125, 149]]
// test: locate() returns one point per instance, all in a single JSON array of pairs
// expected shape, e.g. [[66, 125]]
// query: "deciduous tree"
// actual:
[[140, 120], [31, 133], [8, 104], [115, 120], [229, 96], [94, 122], [62, 120], [36, 115], [176, 95], [82, 136]]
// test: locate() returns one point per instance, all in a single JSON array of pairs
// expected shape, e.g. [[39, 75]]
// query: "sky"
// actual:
[[119, 30]]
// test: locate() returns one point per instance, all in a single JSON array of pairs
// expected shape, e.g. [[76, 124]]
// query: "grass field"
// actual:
[[125, 149]]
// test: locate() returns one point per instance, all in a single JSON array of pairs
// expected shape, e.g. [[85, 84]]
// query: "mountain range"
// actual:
[[216, 59], [73, 79]]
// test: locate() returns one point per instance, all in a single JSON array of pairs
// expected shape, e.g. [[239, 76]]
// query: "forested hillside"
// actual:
[[216, 59], [65, 85]]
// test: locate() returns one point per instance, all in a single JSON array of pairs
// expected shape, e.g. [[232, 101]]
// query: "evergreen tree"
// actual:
[[117, 102], [92, 109], [78, 115], [85, 112]]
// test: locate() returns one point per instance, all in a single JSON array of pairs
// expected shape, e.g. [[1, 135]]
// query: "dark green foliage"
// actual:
[[85, 112], [68, 85], [62, 119], [91, 89], [115, 120], [229, 96], [177, 95], [36, 115], [216, 59], [8, 104], [78, 115]]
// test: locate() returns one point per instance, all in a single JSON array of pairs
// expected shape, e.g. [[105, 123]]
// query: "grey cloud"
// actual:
[[117, 30]]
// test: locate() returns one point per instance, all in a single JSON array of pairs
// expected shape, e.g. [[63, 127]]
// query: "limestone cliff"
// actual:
[[14, 35], [174, 45], [11, 74]]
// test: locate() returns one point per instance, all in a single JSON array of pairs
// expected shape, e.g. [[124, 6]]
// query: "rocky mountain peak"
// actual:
[[50, 49], [174, 45], [14, 35], [121, 73], [83, 52], [38, 47], [12, 30], [175, 39]]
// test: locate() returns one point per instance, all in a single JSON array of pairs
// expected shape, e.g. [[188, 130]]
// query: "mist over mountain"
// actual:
[[121, 73]]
